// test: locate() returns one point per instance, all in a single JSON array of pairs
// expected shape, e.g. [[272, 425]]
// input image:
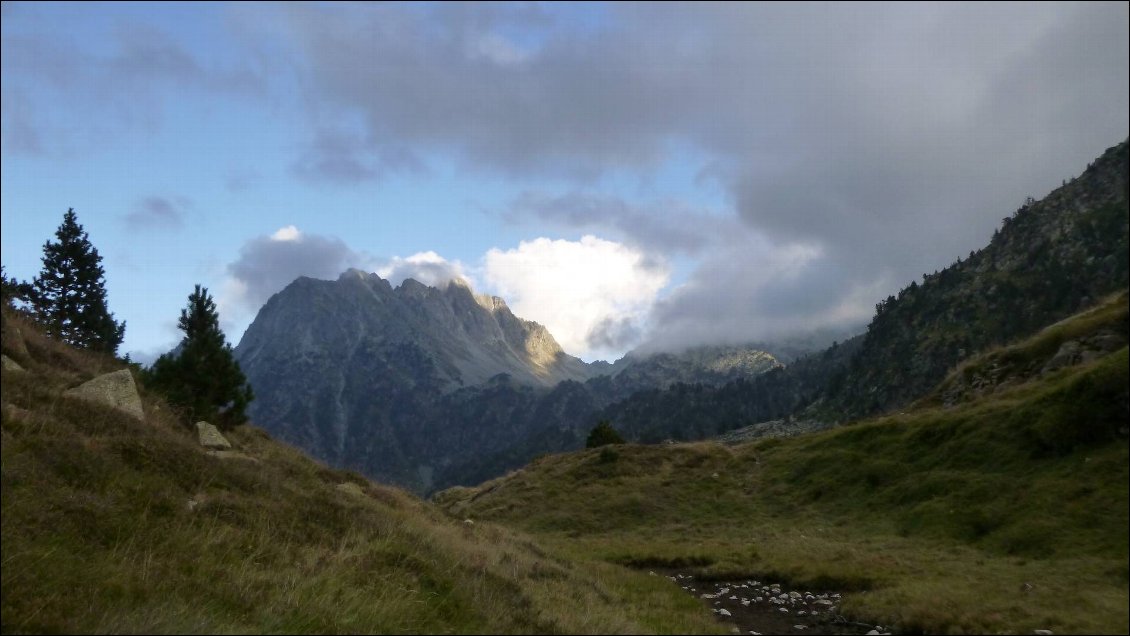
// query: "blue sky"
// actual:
[[629, 175]]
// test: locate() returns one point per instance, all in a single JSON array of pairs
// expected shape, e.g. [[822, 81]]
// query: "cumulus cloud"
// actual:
[[158, 213], [591, 294], [428, 268], [268, 263]]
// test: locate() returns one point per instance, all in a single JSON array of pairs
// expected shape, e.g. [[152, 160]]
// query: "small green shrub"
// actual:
[[602, 435]]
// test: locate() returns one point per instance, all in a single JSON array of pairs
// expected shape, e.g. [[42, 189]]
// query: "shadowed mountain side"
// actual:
[[427, 387]]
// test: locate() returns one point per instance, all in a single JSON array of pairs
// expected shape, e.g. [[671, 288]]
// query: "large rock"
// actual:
[[10, 364], [211, 437], [115, 389]]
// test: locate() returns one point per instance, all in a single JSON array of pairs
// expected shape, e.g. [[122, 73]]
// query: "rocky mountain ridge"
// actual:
[[432, 386]]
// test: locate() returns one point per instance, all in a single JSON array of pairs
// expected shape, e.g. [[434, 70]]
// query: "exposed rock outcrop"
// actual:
[[10, 364], [210, 437], [115, 389]]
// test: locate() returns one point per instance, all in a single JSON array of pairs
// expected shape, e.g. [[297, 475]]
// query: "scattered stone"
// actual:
[[210, 437], [11, 365], [219, 454], [800, 626], [724, 612], [1044, 632], [114, 389], [350, 488], [873, 632], [783, 610], [1067, 355]]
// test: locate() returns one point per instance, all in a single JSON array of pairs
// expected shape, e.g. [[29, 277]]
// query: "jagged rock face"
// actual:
[[714, 366], [361, 374], [427, 387], [450, 337]]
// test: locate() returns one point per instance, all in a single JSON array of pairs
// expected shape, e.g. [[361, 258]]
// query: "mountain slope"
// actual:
[[1051, 259], [1006, 511], [110, 524]]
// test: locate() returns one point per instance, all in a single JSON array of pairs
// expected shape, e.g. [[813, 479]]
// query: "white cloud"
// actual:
[[428, 268], [288, 233], [590, 294]]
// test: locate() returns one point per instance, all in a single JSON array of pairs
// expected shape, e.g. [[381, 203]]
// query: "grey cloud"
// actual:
[[123, 90], [158, 213], [241, 180], [893, 137], [613, 334], [670, 226], [265, 265], [340, 157]]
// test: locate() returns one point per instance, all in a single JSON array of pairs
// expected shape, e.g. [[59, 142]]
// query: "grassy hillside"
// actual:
[[114, 525], [1005, 512]]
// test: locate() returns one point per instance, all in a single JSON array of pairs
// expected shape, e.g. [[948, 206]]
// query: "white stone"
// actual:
[[210, 437], [11, 365], [115, 389], [724, 612]]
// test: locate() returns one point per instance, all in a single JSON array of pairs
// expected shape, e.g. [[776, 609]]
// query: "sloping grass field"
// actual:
[[1008, 513], [115, 525]]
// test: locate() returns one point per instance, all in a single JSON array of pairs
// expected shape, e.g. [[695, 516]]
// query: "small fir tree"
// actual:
[[201, 375], [603, 434], [69, 295]]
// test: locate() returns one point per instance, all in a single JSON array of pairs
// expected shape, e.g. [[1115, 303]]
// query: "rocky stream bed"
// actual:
[[756, 607]]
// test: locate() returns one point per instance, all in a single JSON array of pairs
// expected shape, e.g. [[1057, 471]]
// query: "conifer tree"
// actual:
[[69, 295], [202, 375], [603, 434]]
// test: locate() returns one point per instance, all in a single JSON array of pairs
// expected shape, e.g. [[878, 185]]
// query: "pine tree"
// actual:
[[603, 434], [69, 295], [201, 375]]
